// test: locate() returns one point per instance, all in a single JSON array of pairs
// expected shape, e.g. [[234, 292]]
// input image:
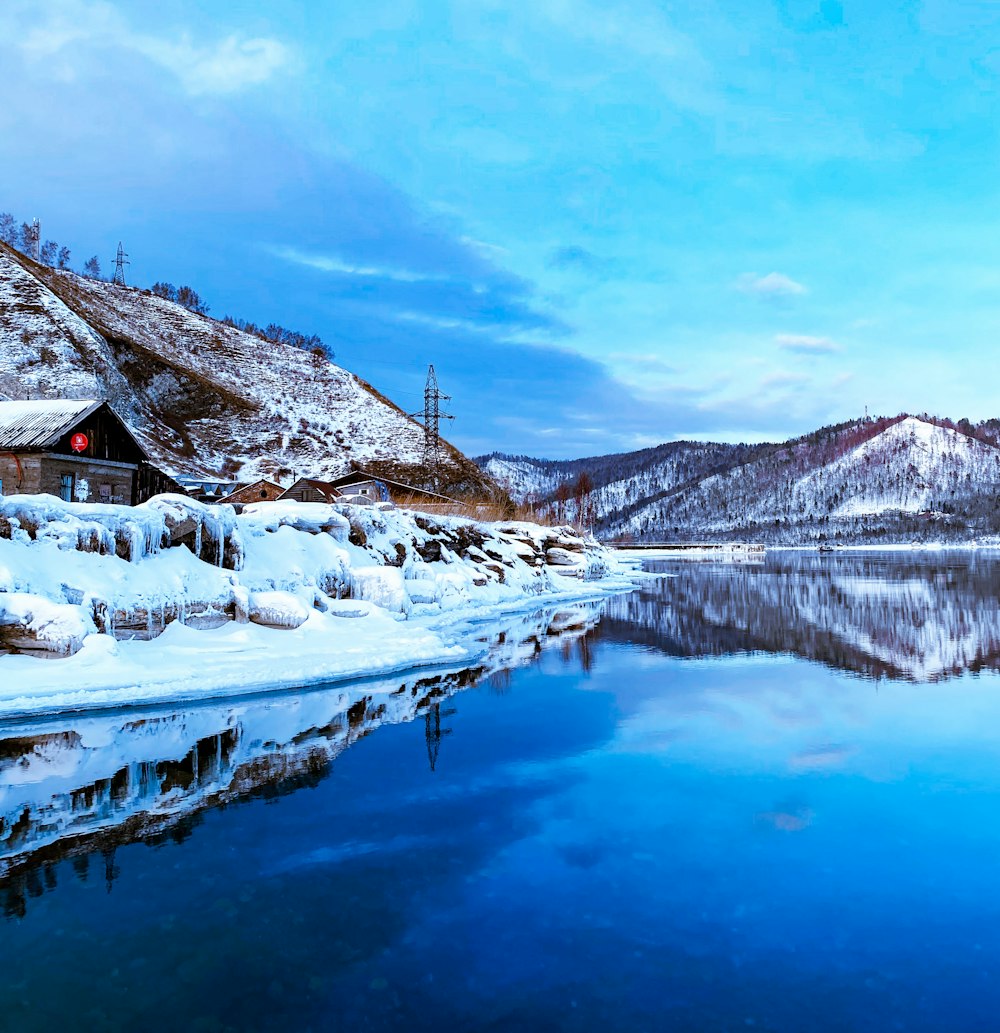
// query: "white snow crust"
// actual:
[[306, 604]]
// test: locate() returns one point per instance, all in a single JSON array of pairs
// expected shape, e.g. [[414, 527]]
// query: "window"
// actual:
[[105, 492], [66, 487]]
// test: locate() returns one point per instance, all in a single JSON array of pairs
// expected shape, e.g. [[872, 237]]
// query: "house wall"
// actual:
[[42, 473], [259, 492]]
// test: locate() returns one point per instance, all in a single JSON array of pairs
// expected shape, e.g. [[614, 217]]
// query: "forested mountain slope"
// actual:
[[886, 479]]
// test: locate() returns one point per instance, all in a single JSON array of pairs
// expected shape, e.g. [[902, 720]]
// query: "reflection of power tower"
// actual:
[[432, 423], [121, 260], [433, 732], [111, 870]]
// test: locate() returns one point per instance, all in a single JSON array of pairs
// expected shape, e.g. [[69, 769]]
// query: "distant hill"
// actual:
[[893, 479], [205, 398]]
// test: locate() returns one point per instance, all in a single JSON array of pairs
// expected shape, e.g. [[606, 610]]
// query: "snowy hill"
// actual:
[[205, 398], [889, 479]]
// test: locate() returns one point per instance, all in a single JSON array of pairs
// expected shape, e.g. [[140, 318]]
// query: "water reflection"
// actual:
[[82, 788], [918, 616]]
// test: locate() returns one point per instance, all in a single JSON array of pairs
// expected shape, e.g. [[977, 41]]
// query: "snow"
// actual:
[[310, 593]]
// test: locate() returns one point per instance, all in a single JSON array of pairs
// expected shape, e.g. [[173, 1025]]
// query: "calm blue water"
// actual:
[[761, 797]]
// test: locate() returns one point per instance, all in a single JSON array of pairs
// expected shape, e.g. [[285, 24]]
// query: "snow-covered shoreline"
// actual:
[[301, 593]]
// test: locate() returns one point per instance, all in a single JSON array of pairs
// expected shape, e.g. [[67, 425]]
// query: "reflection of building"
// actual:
[[103, 781], [79, 451], [917, 618]]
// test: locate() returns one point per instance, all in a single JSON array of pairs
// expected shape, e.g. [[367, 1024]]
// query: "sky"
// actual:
[[606, 224]]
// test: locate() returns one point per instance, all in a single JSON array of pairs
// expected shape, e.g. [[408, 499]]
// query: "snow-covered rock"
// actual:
[[402, 577]]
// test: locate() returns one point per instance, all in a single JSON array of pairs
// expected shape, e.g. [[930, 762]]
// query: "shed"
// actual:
[[259, 491], [384, 489], [307, 489], [78, 450]]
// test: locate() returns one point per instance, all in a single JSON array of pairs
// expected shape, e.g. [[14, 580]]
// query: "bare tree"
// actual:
[[92, 268], [63, 258], [8, 229], [50, 249]]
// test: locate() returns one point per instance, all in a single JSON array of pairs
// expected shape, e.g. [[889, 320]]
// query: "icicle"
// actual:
[[149, 620], [197, 539]]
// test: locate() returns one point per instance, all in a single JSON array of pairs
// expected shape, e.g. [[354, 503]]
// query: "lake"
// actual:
[[745, 796]]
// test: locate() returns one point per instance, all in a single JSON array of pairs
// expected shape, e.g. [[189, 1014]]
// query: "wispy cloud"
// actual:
[[227, 65], [334, 264], [773, 285], [807, 345]]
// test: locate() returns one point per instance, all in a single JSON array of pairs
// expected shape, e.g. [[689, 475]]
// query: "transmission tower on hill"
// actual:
[[121, 260], [433, 416]]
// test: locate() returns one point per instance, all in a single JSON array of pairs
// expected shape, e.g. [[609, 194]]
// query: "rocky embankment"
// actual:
[[72, 572]]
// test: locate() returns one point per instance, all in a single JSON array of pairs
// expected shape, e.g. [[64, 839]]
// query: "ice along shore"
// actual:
[[107, 606]]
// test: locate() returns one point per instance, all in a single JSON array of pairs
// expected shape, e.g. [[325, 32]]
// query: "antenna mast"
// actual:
[[432, 423], [121, 260]]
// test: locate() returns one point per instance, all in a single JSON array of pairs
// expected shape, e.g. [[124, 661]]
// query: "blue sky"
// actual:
[[606, 224]]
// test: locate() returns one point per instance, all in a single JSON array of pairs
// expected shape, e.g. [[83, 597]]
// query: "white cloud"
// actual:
[[223, 66], [773, 285], [806, 344], [332, 264]]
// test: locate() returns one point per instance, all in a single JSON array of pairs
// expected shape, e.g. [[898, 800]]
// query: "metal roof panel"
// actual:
[[40, 424]]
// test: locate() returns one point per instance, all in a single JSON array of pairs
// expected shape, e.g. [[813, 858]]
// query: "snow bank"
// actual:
[[176, 599]]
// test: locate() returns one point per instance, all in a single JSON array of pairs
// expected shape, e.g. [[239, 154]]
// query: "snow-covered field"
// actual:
[[175, 600]]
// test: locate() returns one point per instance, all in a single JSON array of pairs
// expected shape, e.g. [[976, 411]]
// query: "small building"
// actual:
[[77, 450], [258, 491], [307, 489], [383, 489], [208, 489]]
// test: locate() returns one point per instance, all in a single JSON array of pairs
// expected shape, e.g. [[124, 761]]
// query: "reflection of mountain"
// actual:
[[918, 617], [94, 783]]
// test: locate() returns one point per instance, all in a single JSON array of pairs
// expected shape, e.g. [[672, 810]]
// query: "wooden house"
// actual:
[[79, 451], [307, 489], [258, 491], [364, 486]]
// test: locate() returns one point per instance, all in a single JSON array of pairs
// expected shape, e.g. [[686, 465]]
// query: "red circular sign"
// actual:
[[79, 442]]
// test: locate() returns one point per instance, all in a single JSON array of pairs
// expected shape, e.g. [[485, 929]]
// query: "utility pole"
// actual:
[[121, 260], [433, 415], [36, 232]]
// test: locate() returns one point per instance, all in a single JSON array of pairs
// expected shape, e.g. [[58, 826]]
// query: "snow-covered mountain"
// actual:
[[205, 398], [888, 479]]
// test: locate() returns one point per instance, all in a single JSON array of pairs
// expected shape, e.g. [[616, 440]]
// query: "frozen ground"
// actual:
[[301, 594]]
